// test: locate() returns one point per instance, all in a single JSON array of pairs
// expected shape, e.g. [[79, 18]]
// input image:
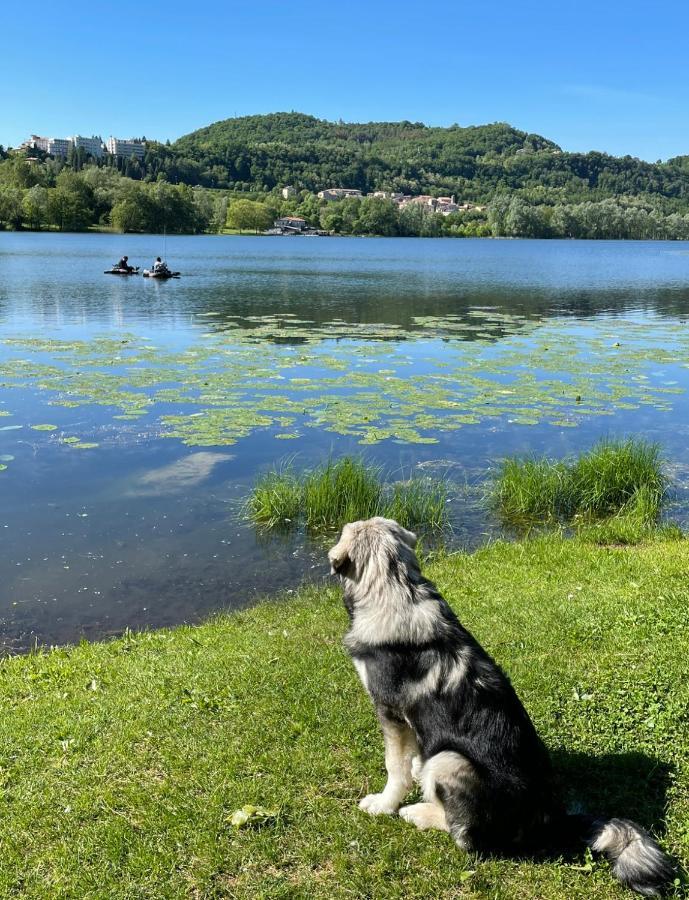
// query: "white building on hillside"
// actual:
[[125, 149], [338, 193], [93, 145], [52, 146]]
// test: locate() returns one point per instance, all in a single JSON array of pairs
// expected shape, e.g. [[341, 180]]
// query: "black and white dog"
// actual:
[[452, 721]]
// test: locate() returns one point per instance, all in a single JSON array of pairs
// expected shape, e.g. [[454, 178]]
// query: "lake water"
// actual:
[[135, 415]]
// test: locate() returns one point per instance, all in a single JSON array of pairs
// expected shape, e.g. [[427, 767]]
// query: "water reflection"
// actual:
[[146, 531]]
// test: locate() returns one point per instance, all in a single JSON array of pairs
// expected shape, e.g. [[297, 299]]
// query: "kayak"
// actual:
[[117, 271], [163, 275]]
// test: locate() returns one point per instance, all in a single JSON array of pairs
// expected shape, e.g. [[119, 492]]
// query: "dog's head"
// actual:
[[373, 547]]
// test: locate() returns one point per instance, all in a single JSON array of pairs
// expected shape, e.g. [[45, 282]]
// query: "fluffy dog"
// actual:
[[452, 721]]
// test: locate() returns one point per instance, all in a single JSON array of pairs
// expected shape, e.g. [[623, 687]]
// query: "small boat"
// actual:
[[164, 274], [116, 270]]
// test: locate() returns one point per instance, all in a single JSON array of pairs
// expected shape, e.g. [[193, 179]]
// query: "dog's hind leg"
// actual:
[[448, 780], [400, 748]]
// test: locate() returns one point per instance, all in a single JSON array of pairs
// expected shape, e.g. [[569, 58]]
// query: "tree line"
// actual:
[[72, 195], [505, 216], [52, 194]]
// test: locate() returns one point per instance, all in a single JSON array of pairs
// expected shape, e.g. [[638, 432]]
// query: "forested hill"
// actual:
[[475, 163]]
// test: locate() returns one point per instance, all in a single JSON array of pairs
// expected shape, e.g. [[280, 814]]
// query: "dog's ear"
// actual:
[[339, 560], [339, 555], [408, 537]]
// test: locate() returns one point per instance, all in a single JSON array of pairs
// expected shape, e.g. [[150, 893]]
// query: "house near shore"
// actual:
[[289, 225], [294, 225]]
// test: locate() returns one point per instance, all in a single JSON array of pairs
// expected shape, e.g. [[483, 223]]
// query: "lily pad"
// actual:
[[44, 427]]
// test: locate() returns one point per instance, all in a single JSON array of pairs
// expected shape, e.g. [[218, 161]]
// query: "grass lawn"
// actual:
[[121, 763]]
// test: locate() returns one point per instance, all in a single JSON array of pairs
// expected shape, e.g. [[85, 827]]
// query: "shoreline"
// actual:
[[448, 237]]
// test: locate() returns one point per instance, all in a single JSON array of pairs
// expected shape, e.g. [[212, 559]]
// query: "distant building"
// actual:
[[338, 193], [420, 200], [50, 145], [125, 149], [93, 145], [289, 224], [59, 146], [388, 195], [289, 191]]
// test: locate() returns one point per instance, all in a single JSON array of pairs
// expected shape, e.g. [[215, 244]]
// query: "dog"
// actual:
[[452, 721]]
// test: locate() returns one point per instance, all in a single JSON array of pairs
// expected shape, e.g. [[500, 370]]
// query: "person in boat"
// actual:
[[159, 266], [124, 264]]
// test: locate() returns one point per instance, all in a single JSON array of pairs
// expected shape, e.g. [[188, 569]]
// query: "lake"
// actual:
[[135, 415]]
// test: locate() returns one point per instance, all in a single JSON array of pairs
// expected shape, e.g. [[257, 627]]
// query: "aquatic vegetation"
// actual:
[[371, 382], [345, 490], [617, 476], [276, 499], [529, 489], [341, 491], [419, 503], [622, 479]]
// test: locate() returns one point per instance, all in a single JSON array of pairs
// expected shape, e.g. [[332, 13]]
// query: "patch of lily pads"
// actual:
[[371, 382]]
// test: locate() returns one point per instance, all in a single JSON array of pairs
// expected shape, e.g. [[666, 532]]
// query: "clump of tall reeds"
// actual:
[[615, 479], [345, 490]]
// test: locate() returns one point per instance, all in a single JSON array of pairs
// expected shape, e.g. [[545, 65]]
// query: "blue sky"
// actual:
[[604, 75]]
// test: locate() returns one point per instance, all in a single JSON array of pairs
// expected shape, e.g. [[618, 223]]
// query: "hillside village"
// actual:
[[290, 225]]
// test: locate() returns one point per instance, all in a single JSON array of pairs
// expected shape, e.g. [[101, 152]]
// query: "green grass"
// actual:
[[122, 763], [276, 500], [529, 490], [343, 491], [613, 479], [340, 492]]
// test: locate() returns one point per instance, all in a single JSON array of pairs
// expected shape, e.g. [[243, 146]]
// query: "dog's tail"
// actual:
[[636, 859]]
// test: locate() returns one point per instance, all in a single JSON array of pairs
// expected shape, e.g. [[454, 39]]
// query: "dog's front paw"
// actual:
[[425, 815], [378, 805]]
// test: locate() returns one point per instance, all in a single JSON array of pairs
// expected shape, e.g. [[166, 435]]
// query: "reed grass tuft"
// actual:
[[345, 490], [614, 479]]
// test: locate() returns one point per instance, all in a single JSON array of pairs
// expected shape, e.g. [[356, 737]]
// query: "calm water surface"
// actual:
[[161, 402]]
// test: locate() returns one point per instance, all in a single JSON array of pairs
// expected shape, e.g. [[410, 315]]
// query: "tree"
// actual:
[[70, 203], [249, 214], [132, 213], [377, 216], [11, 207], [35, 205]]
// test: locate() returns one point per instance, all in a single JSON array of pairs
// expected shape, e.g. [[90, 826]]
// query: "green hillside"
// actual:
[[476, 163]]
